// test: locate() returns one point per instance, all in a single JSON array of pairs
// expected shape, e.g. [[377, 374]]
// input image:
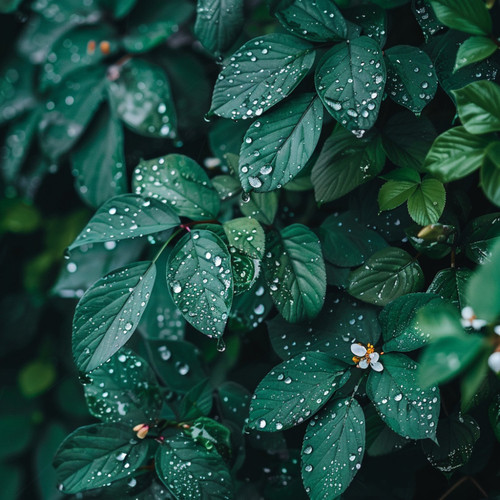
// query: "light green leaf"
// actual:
[[181, 183], [455, 154], [480, 236], [407, 409], [246, 235], [295, 390], [261, 206], [344, 163], [470, 16], [411, 78], [395, 192], [350, 81], [333, 448], [190, 470], [109, 312], [385, 276], [490, 173], [201, 283], [478, 106], [36, 377], [271, 65], [123, 389], [451, 284], [319, 21], [426, 203], [474, 49], [107, 448], [298, 283], [140, 95], [126, 216], [99, 161], [218, 24], [277, 147]]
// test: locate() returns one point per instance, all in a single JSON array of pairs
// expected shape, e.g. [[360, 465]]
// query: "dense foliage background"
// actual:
[[287, 211]]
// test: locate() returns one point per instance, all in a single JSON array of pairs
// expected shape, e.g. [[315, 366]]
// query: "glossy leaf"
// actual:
[[261, 206], [395, 192], [490, 173], [426, 18], [480, 236], [474, 49], [372, 19], [426, 203], [451, 285], [246, 235], [470, 16]]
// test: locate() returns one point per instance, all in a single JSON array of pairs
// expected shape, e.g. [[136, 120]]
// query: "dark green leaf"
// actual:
[[426, 203], [119, 8], [350, 81], [295, 272], [139, 93], [372, 19], [470, 16], [109, 312], [260, 206], [126, 216], [201, 282], [333, 448], [426, 18], [197, 402], [386, 275], [344, 163], [277, 146], [19, 436], [179, 181], [474, 49], [295, 390], [490, 173], [494, 414], [271, 65], [226, 186], [407, 409], [106, 448], [390, 4], [210, 433], [411, 78], [9, 5], [246, 235], [480, 236], [450, 284]]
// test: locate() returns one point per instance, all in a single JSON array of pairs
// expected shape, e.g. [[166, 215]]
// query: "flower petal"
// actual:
[[497, 329], [477, 324], [363, 364], [377, 366], [494, 362], [467, 312], [374, 357], [358, 349]]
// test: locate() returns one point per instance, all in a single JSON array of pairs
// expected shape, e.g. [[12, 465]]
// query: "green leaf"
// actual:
[[119, 8], [407, 409], [295, 390], [218, 24], [490, 173], [350, 81], [455, 154], [456, 436], [437, 241], [480, 236], [347, 243], [277, 147], [99, 161], [390, 4], [344, 163], [494, 414], [201, 282], [385, 276], [19, 437], [226, 186], [372, 19], [210, 433], [470, 16], [123, 389], [298, 283], [478, 106], [411, 78], [400, 330], [126, 216], [474, 49], [197, 402], [427, 20], [107, 448], [181, 183], [9, 5], [190, 470], [426, 203], [451, 284], [36, 377], [261, 206], [109, 312], [139, 93], [319, 21], [395, 192], [333, 448], [246, 235], [271, 65]]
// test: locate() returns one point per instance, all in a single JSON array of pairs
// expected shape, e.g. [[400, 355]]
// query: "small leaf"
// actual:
[[109, 312], [427, 20], [271, 65], [470, 16], [201, 282], [426, 203], [395, 192], [451, 284], [107, 448], [333, 448], [372, 19], [295, 272], [261, 206], [480, 236], [179, 181], [246, 235], [407, 409], [197, 402], [36, 377], [386, 275], [350, 81], [490, 173], [474, 49], [295, 390], [277, 147], [126, 216]]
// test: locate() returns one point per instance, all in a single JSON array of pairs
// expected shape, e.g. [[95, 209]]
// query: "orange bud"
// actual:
[[143, 432], [105, 47], [91, 47]]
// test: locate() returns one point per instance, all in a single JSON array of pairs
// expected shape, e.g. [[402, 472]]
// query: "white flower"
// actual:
[[469, 319], [494, 362], [366, 356], [497, 329]]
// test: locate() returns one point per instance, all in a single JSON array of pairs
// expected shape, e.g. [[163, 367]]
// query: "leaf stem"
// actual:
[[165, 245]]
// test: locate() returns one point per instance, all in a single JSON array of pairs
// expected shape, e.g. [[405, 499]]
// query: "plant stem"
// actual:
[[165, 245]]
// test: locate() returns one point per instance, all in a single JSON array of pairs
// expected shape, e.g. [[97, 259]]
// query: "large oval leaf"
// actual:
[[350, 81], [426, 202], [295, 272], [109, 312], [295, 390], [260, 74], [277, 146], [201, 282], [450, 284]]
